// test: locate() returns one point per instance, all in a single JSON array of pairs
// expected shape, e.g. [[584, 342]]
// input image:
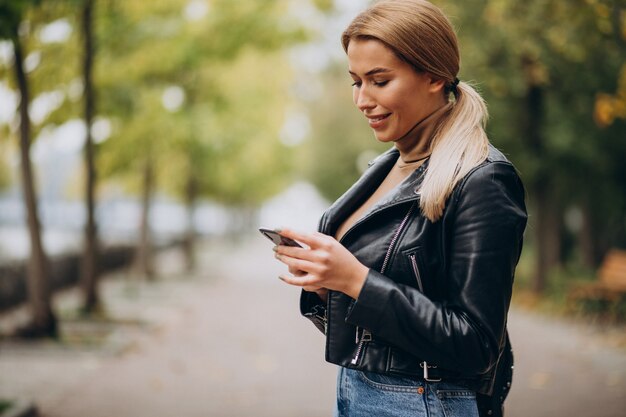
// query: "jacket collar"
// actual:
[[366, 185]]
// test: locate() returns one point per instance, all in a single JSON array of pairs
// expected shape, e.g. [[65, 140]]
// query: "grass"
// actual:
[[5, 405], [554, 299], [608, 319]]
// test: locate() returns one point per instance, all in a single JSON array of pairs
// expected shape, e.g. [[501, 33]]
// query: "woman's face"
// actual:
[[389, 92]]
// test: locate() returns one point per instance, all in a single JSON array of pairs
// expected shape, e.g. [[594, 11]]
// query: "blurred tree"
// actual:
[[191, 52], [89, 273], [62, 44], [230, 149], [43, 321], [542, 64], [324, 5], [613, 106], [4, 178]]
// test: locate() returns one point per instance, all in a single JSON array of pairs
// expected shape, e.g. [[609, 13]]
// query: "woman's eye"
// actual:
[[381, 83], [356, 84]]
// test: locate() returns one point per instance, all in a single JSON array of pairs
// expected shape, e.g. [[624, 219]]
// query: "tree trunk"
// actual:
[[586, 238], [145, 263], [43, 321], [191, 194], [89, 276], [548, 236], [546, 213]]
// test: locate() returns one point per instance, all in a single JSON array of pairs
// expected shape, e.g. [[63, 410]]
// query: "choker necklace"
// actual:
[[401, 163]]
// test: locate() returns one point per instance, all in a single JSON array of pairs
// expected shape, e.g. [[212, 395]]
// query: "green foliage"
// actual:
[[571, 53], [4, 177], [48, 77], [5, 146], [324, 5], [11, 15], [224, 136], [5, 405], [245, 161], [557, 299], [602, 308]]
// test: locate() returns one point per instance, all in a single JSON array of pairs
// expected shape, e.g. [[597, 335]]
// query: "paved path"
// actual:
[[229, 342]]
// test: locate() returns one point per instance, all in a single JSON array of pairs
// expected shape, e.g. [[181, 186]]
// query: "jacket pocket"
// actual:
[[415, 262], [403, 362]]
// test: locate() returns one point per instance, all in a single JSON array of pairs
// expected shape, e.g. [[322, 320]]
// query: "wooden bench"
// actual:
[[611, 283]]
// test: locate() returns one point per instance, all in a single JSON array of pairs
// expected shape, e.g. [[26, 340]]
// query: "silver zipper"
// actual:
[[417, 272], [392, 244], [425, 366], [324, 320], [319, 313], [366, 336]]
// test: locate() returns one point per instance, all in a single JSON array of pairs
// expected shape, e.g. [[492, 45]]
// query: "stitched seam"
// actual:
[[386, 387], [455, 394]]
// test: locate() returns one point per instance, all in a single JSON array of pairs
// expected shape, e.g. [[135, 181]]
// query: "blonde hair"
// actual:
[[421, 35]]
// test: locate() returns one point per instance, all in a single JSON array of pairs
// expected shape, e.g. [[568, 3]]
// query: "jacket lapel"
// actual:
[[365, 186], [407, 190], [356, 195]]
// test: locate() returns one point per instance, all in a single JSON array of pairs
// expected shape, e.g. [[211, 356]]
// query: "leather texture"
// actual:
[[445, 291]]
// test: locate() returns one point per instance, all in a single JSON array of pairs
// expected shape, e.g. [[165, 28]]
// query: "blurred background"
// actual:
[[142, 144]]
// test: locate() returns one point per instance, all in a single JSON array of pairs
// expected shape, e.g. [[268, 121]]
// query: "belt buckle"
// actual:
[[424, 365]]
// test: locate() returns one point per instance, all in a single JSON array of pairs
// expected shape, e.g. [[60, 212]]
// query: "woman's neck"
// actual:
[[416, 145]]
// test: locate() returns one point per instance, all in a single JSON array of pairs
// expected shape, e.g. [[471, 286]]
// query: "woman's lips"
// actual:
[[377, 121]]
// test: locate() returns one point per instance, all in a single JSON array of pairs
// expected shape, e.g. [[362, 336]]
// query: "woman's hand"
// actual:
[[321, 292], [325, 264]]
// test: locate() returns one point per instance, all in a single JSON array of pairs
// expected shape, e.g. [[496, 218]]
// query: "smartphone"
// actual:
[[278, 239]]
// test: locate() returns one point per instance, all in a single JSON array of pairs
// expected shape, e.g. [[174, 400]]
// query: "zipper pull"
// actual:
[[365, 337], [416, 271]]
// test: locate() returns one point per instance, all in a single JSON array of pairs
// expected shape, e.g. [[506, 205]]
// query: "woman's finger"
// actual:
[[305, 281], [293, 252], [297, 272], [311, 255], [297, 264], [311, 240]]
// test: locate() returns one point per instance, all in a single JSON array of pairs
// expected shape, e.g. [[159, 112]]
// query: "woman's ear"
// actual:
[[436, 85]]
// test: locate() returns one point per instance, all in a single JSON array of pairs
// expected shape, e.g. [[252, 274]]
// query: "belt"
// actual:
[[364, 336], [428, 376]]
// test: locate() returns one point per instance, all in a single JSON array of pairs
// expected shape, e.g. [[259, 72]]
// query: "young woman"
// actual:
[[411, 272]]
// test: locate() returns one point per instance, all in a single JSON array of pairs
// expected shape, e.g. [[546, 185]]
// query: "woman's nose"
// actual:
[[364, 100]]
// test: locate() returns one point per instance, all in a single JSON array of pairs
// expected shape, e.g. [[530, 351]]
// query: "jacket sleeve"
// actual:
[[483, 227], [314, 309]]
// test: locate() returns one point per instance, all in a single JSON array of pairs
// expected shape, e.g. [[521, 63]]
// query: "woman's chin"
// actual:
[[382, 137]]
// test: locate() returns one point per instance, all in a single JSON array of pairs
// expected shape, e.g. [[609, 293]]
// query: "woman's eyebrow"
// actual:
[[377, 70]]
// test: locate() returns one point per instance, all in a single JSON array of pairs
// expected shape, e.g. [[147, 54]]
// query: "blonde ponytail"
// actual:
[[459, 145]]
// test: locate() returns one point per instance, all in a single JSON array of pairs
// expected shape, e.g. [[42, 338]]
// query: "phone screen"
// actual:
[[278, 239]]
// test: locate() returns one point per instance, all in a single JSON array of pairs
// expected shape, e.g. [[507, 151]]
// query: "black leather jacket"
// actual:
[[437, 294]]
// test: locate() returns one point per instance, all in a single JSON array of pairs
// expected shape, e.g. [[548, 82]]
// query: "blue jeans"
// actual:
[[368, 394]]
